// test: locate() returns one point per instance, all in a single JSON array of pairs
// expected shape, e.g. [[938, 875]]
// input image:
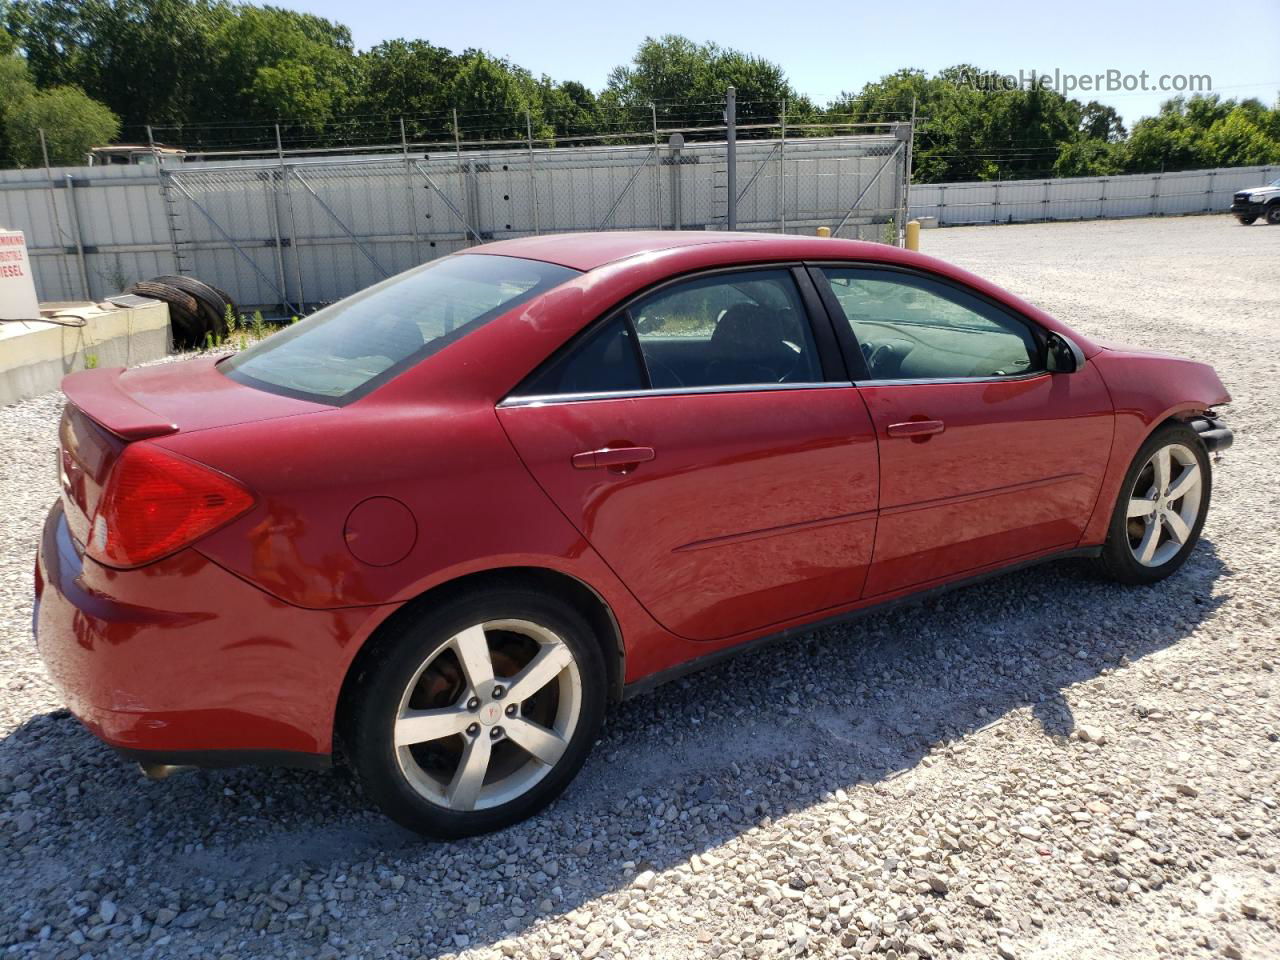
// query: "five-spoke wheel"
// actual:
[[478, 714], [1161, 508], [1164, 504], [488, 714]]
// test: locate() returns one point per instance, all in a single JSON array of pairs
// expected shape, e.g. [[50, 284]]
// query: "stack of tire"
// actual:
[[197, 311]]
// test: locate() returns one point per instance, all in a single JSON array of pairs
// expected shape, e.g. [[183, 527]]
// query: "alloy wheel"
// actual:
[[1164, 505], [488, 714]]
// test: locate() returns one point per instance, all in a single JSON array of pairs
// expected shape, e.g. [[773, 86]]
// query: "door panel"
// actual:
[[1015, 470], [757, 506]]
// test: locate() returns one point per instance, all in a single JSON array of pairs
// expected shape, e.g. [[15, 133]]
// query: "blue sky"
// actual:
[[827, 48]]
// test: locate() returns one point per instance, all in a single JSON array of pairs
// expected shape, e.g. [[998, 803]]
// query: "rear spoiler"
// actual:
[[101, 397]]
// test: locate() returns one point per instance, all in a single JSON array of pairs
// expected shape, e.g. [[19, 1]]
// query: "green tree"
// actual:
[[270, 64], [492, 96], [405, 78], [687, 82], [15, 88], [1238, 140], [1089, 157], [72, 122], [143, 58]]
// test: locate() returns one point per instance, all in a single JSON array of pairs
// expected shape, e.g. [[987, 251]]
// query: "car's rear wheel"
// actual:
[[1161, 509], [477, 714], [1273, 212]]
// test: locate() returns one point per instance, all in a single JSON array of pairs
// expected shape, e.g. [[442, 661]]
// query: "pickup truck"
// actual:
[[1254, 202]]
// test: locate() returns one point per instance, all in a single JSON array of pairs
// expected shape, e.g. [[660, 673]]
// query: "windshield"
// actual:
[[347, 349]]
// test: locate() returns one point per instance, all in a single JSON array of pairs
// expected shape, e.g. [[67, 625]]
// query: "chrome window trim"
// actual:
[[537, 400], [919, 381]]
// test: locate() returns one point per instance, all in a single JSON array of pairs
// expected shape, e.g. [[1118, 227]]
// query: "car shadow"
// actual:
[[676, 772]]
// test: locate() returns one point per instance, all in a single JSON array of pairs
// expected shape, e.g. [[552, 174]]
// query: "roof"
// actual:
[[586, 251]]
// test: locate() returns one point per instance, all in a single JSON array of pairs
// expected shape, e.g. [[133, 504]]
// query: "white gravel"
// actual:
[[1043, 766]]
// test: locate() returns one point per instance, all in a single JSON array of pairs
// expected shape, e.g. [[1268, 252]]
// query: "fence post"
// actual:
[[1155, 194], [413, 197], [1208, 203], [906, 180], [676, 143], [782, 173], [273, 214], [77, 236], [656, 210], [1102, 199], [61, 236], [731, 157], [942, 203], [533, 179], [293, 225]]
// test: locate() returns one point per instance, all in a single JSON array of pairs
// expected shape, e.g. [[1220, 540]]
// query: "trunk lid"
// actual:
[[110, 408]]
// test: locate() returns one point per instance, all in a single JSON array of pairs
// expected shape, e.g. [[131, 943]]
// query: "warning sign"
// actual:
[[17, 286]]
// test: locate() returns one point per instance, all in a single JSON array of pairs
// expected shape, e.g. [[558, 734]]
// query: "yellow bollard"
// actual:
[[913, 234], [824, 231]]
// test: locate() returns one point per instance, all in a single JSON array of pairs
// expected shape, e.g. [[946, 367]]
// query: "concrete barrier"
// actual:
[[35, 356]]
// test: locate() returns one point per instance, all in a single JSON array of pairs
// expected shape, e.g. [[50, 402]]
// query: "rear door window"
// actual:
[[727, 329], [347, 349]]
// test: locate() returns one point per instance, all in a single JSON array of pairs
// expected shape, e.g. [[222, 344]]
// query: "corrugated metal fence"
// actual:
[[1085, 198], [294, 232]]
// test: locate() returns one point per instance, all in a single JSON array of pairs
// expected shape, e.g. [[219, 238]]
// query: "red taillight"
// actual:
[[156, 503]]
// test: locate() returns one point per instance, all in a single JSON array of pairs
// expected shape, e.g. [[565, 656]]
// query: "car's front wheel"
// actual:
[[1273, 212], [1161, 509], [1246, 219], [478, 713]]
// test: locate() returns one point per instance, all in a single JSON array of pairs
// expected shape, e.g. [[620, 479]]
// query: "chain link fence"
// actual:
[[291, 233]]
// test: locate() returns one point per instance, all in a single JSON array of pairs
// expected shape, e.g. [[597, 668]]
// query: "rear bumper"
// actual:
[[182, 662]]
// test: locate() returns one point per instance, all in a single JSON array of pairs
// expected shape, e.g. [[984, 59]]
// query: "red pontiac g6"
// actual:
[[446, 521]]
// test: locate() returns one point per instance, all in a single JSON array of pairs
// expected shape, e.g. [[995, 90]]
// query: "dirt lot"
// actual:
[[1042, 766]]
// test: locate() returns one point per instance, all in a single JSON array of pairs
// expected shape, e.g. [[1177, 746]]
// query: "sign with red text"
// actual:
[[17, 286]]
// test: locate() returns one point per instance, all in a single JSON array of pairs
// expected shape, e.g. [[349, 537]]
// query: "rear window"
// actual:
[[347, 349]]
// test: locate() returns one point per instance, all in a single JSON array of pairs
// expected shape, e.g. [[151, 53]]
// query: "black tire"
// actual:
[[1246, 220], [1273, 212], [213, 304], [375, 697], [184, 313], [1118, 561]]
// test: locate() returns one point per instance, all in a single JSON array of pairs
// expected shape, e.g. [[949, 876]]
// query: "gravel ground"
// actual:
[[1042, 766]]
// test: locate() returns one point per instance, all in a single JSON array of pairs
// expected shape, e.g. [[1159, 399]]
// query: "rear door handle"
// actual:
[[916, 428], [616, 457]]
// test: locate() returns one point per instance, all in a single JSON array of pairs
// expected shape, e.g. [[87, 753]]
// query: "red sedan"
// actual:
[[447, 521]]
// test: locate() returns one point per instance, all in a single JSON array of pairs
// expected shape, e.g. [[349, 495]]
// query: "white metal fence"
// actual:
[[1085, 198], [297, 232]]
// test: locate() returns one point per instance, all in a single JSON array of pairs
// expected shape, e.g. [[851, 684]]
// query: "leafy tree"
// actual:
[[687, 81], [15, 87], [72, 122], [1101, 122], [1089, 157], [406, 78], [492, 95], [1238, 140], [270, 64], [142, 58]]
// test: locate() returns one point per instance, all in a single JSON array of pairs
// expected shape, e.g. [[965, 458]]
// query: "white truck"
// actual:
[[1254, 202]]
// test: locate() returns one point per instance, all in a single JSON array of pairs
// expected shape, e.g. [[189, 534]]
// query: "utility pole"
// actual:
[[731, 156]]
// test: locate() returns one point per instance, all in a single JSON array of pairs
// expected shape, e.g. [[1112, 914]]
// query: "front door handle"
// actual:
[[916, 428], [618, 458]]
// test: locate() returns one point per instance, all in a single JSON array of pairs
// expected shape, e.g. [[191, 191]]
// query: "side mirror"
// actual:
[[1061, 355]]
